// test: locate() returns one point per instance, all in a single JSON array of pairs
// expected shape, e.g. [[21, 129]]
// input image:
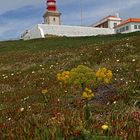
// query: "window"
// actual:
[[127, 28], [123, 29], [117, 31], [135, 26], [54, 19], [115, 24]]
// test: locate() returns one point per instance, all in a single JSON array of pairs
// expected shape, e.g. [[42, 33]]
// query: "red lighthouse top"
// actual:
[[51, 5]]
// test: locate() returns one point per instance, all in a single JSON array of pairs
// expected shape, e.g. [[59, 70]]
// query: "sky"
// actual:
[[19, 15]]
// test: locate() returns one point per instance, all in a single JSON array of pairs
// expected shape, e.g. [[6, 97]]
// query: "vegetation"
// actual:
[[84, 88]]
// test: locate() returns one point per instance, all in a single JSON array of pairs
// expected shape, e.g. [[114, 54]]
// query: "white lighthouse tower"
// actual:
[[52, 15]]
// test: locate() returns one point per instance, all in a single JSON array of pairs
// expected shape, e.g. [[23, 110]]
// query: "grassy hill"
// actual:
[[29, 68]]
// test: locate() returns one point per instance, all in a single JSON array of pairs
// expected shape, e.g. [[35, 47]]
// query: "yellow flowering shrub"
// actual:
[[87, 94], [104, 75], [63, 77], [82, 76]]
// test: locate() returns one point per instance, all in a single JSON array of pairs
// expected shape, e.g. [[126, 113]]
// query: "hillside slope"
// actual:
[[28, 67]]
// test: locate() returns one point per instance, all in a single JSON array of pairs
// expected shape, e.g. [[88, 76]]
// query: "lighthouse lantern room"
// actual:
[[52, 15]]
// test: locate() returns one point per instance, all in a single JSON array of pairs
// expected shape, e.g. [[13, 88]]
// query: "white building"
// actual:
[[108, 22], [129, 25], [52, 26], [45, 30]]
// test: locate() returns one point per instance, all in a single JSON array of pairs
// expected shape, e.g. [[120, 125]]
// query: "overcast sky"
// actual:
[[19, 15]]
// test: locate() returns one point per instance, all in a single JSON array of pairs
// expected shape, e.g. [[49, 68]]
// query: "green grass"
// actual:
[[27, 67]]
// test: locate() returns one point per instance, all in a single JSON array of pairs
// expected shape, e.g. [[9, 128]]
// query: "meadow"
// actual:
[[36, 103]]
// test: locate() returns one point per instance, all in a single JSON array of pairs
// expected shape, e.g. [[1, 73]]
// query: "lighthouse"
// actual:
[[52, 15]]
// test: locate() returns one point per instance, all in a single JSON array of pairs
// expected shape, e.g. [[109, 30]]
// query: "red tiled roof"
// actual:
[[109, 16], [128, 21]]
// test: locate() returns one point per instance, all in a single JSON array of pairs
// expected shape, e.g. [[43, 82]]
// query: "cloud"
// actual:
[[13, 22], [7, 5]]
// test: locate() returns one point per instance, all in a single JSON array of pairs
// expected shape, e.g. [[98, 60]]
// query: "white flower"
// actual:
[[12, 74], [117, 60], [133, 60], [9, 119], [51, 66], [108, 103], [114, 102], [33, 72], [42, 68], [22, 109], [5, 77], [121, 79]]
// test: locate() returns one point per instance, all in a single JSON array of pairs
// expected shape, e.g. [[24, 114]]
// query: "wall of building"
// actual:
[[111, 23], [53, 20], [35, 32], [40, 30], [128, 27], [133, 29]]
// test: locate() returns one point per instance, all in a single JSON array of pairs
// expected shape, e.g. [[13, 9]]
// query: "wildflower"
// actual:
[[88, 90], [118, 60], [84, 95], [9, 119], [104, 70], [104, 75], [22, 109], [64, 76], [44, 91], [12, 74], [87, 94], [114, 102], [33, 72], [133, 60], [5, 77], [109, 74], [107, 103], [121, 79], [51, 66], [106, 81], [105, 127]]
